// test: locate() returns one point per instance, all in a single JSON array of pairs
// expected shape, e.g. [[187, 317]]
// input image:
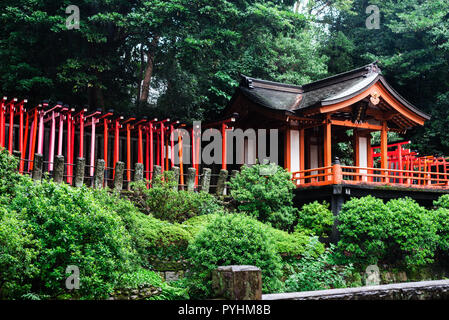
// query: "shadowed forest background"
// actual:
[[182, 58]]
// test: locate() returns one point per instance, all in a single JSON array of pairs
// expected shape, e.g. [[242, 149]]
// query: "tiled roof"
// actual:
[[280, 96]]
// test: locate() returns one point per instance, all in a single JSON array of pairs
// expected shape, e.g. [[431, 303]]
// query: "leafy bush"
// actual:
[[232, 239], [164, 202], [9, 176], [194, 225], [286, 244], [364, 225], [317, 218], [440, 218], [413, 235], [145, 278], [294, 245], [442, 202], [71, 229], [151, 237], [17, 251], [266, 193], [400, 232], [318, 273]]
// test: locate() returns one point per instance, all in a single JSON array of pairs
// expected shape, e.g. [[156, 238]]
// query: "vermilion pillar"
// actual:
[[162, 133], [51, 148], [2, 122], [69, 145], [11, 124], [21, 146], [33, 138], [22, 162], [116, 142], [81, 122]]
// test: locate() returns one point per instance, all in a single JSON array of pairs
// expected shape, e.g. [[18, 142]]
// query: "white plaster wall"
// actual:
[[294, 150]]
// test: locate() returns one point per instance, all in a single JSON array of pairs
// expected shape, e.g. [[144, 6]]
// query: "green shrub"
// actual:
[[232, 239], [317, 218], [147, 278], [318, 273], [294, 245], [17, 251], [364, 225], [151, 237], [442, 202], [194, 225], [413, 235], [164, 202], [71, 229], [266, 193], [9, 177], [288, 245], [440, 218], [398, 233]]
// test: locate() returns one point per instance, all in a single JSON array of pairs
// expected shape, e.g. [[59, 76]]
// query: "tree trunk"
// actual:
[[148, 71]]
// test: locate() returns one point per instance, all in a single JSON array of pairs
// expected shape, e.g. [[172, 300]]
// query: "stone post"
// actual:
[[157, 171], [79, 172], [205, 181], [237, 283], [118, 177], [99, 174], [191, 172], [58, 169], [37, 168], [176, 172], [138, 172], [221, 183]]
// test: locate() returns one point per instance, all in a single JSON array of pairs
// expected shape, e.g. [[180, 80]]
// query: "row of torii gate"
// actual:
[[55, 130], [402, 158], [51, 130]]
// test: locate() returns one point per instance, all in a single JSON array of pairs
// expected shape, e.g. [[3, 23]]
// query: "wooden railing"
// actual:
[[339, 174]]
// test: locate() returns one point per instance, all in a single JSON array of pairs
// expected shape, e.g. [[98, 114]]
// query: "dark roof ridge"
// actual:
[[251, 83], [348, 75]]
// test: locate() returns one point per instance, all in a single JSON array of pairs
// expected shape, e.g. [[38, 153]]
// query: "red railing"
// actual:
[[339, 174]]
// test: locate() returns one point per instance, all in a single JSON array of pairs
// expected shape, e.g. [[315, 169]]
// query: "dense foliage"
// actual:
[[233, 239], [183, 57], [266, 193], [317, 218], [165, 202], [318, 273], [399, 232], [364, 227]]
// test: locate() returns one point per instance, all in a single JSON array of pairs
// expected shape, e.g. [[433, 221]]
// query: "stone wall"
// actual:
[[424, 290]]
